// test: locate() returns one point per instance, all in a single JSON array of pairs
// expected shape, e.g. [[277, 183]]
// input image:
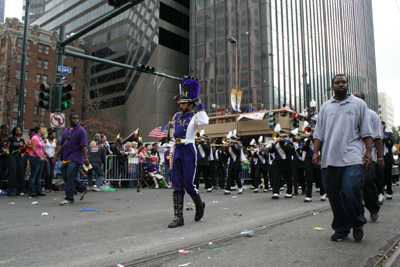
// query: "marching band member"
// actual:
[[313, 172], [298, 164], [283, 149], [235, 167], [203, 165], [186, 124]]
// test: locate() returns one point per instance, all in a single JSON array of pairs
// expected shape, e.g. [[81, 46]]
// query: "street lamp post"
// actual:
[[233, 41]]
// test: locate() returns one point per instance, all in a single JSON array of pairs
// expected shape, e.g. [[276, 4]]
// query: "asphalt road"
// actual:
[[131, 226]]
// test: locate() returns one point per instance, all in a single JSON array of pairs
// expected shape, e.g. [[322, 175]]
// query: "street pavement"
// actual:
[[131, 226]]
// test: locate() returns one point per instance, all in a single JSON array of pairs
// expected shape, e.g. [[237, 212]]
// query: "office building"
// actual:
[[386, 109], [36, 9], [154, 33], [2, 10], [283, 46]]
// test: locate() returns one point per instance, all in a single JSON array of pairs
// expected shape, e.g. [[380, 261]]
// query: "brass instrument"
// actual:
[[308, 130], [224, 142], [276, 136]]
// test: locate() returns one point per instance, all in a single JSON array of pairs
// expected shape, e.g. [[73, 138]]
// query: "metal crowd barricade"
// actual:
[[117, 171]]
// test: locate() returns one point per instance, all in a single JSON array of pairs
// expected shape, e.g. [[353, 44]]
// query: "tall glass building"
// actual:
[[2, 10], [154, 32], [283, 46]]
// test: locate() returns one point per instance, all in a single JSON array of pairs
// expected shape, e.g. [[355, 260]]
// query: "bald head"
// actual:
[[359, 95]]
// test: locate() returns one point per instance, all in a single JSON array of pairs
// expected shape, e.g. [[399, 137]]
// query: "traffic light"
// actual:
[[296, 121], [185, 77], [65, 96], [143, 68], [44, 96], [117, 3], [271, 119]]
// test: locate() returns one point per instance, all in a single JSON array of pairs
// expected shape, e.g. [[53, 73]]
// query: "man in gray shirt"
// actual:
[[370, 191], [97, 157], [343, 126]]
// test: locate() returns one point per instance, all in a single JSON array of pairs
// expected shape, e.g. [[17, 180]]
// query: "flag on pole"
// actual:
[[136, 133], [159, 132]]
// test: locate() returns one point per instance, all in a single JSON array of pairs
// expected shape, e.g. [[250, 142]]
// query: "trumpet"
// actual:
[[276, 136], [308, 130], [224, 142]]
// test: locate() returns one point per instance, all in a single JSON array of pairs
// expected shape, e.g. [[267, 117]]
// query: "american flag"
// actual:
[[159, 132]]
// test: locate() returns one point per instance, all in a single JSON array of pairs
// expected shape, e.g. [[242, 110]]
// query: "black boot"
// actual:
[[178, 211], [200, 205]]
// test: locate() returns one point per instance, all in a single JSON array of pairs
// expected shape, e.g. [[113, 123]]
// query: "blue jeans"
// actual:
[[34, 186], [168, 173], [343, 186], [98, 169], [70, 172]]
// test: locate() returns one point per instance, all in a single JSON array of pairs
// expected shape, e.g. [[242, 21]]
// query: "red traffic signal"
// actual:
[[295, 115]]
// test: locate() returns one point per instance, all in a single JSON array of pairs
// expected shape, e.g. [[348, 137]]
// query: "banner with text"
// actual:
[[252, 116]]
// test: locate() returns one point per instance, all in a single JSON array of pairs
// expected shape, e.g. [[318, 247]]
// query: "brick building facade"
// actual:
[[41, 68]]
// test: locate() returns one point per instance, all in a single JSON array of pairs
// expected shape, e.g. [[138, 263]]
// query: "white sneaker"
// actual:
[[380, 199], [255, 190], [308, 199], [209, 189], [288, 196], [265, 190], [95, 188], [317, 190], [226, 192], [281, 189], [270, 189], [168, 186], [240, 190], [389, 196], [156, 187], [275, 196], [252, 187], [323, 197]]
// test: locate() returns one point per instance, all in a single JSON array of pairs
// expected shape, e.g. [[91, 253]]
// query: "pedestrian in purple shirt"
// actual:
[[73, 153]]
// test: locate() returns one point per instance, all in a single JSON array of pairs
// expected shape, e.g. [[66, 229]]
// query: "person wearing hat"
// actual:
[[313, 172], [186, 123], [153, 170], [203, 164], [282, 166], [118, 162]]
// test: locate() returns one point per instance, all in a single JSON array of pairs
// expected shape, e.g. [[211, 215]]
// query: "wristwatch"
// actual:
[[86, 159], [380, 159]]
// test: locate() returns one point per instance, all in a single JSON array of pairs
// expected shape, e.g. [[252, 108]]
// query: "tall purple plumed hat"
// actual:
[[191, 91]]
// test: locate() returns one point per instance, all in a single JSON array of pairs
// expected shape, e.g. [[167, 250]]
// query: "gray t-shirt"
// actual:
[[377, 132], [341, 127]]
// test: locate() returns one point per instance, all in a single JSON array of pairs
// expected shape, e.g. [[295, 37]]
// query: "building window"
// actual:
[[40, 50], [46, 65], [72, 100], [73, 85], [17, 74], [46, 49], [19, 56], [42, 124], [24, 107], [37, 92], [15, 107], [39, 63], [42, 111], [75, 59], [14, 123], [74, 72], [35, 123], [38, 77], [20, 42], [44, 79], [35, 110]]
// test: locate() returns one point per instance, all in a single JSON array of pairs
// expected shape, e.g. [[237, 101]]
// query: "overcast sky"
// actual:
[[387, 45]]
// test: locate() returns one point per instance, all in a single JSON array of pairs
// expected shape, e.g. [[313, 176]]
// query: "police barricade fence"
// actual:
[[130, 169]]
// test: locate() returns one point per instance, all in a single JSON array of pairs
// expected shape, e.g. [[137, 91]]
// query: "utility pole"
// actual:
[[21, 98]]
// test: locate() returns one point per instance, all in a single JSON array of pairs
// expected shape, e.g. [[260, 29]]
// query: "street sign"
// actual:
[[57, 120], [64, 74], [64, 69]]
